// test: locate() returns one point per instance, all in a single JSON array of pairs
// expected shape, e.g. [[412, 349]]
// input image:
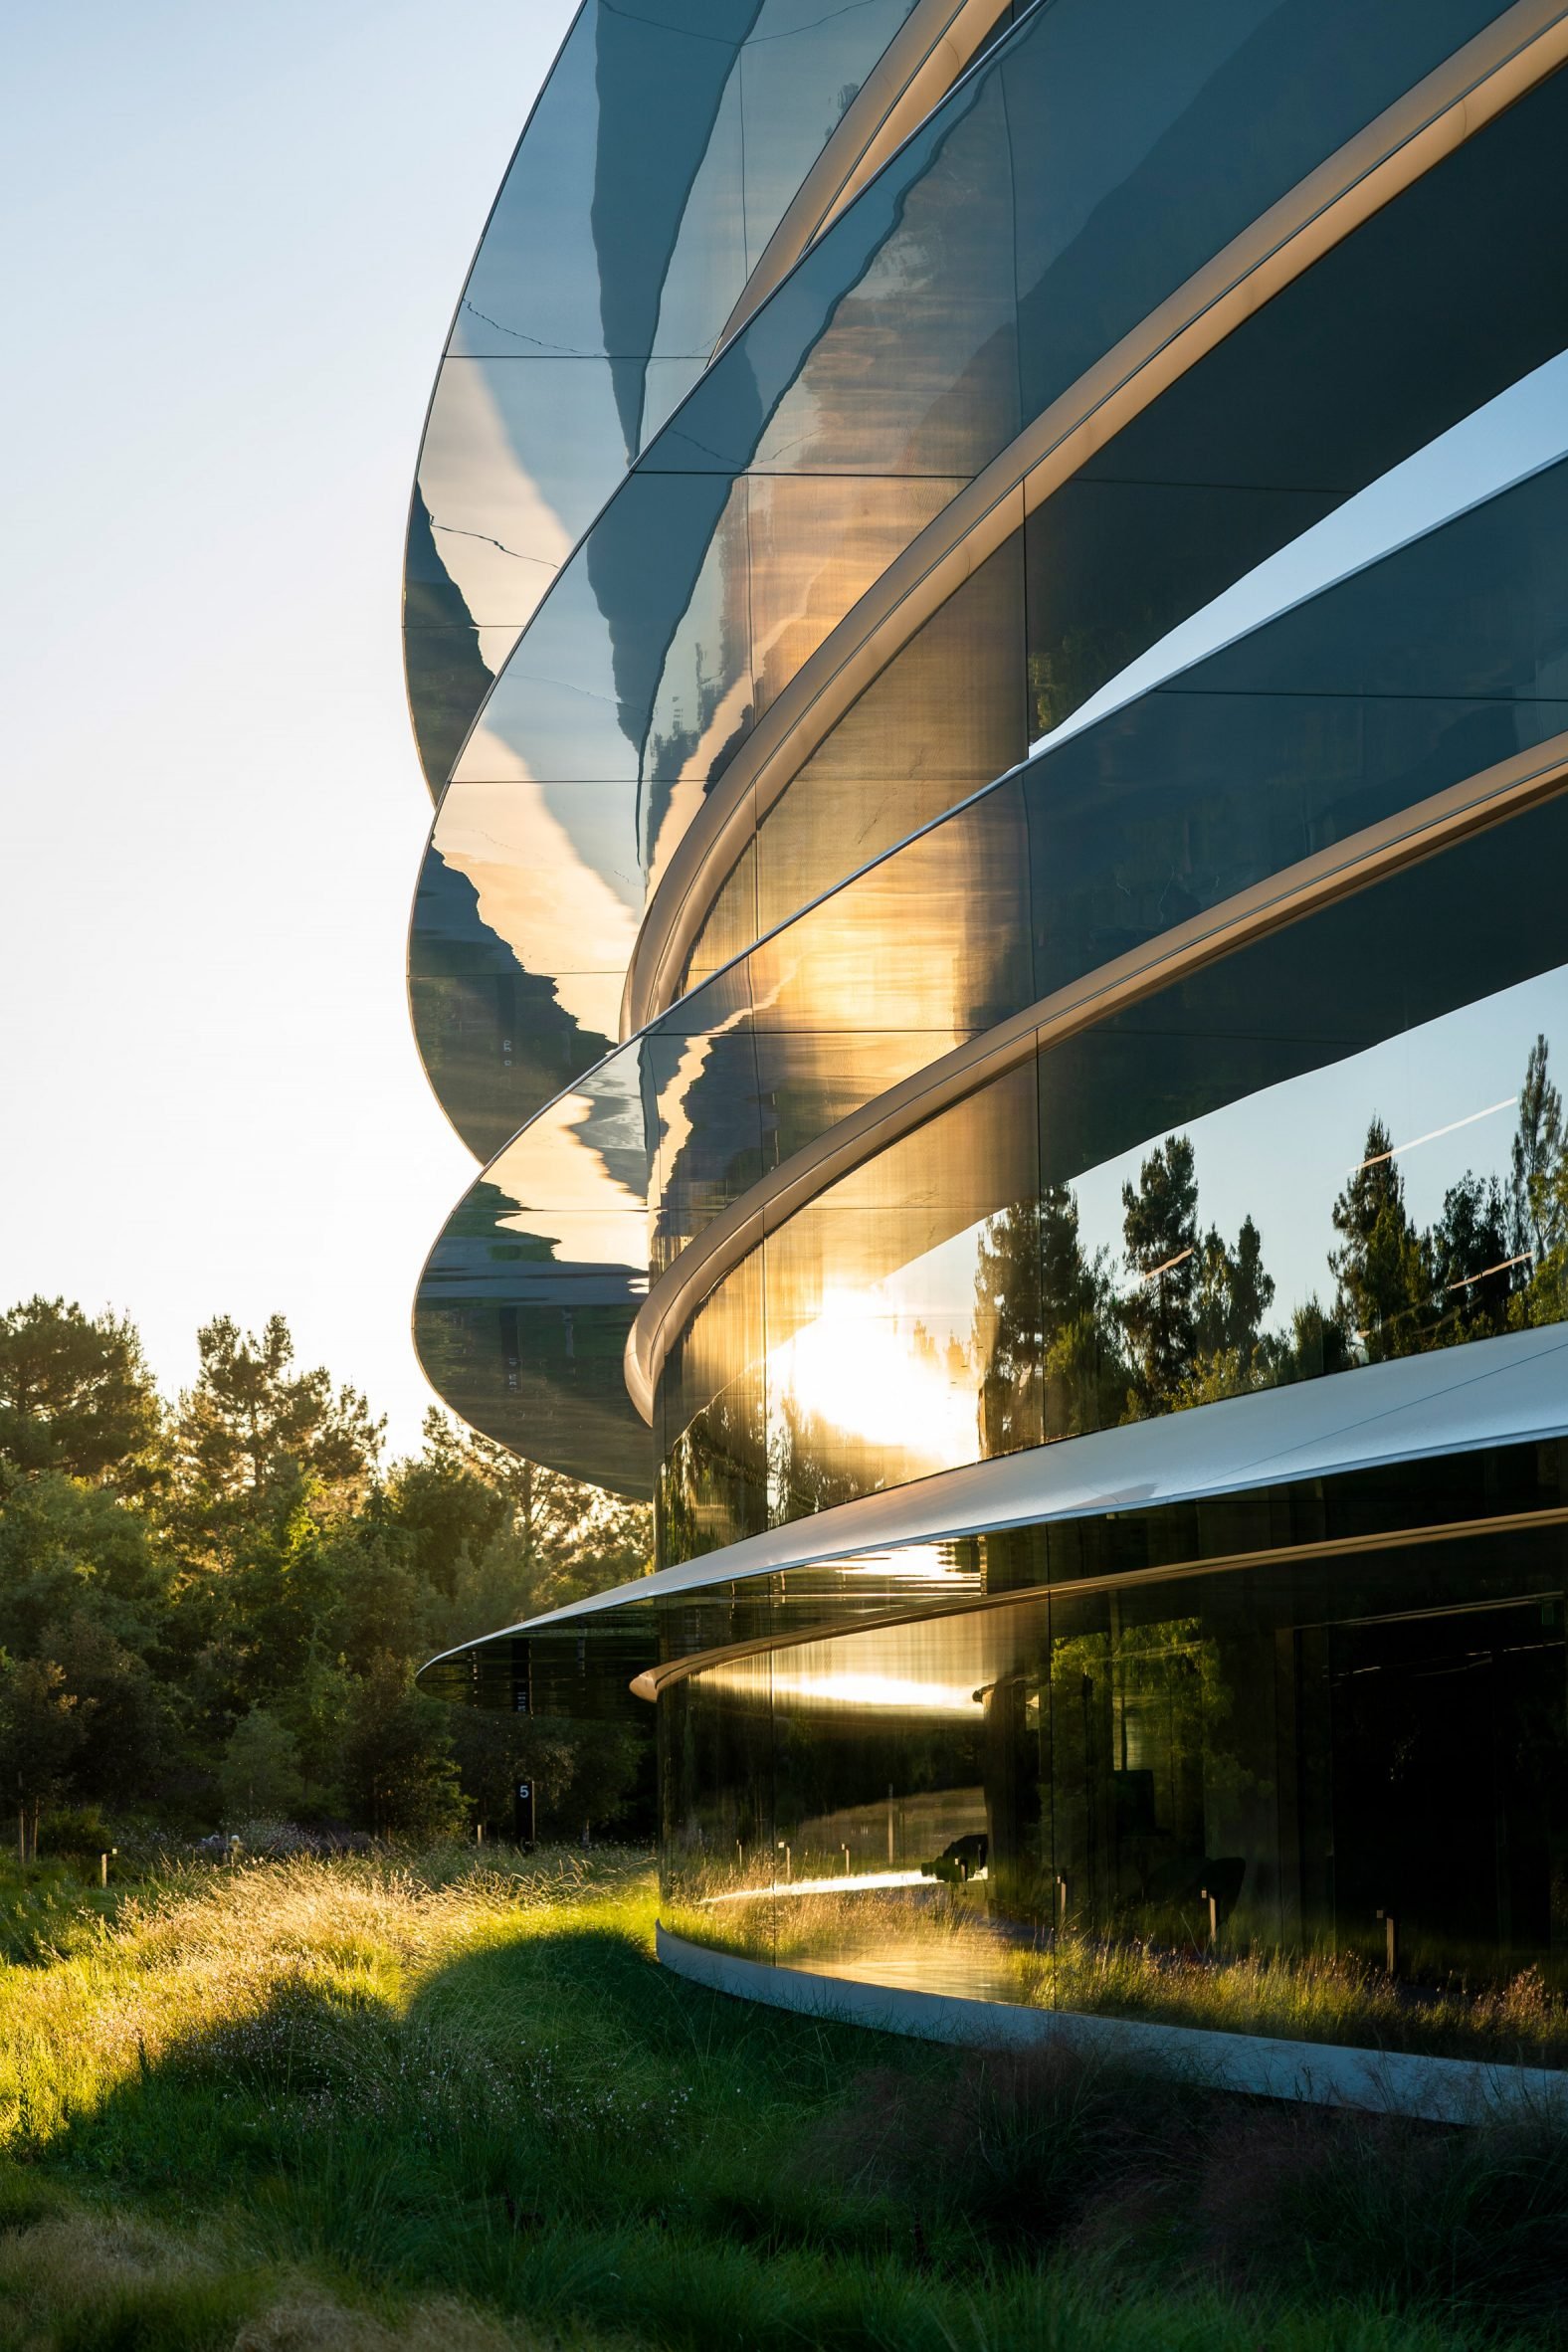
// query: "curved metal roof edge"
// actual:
[[1510, 1390]]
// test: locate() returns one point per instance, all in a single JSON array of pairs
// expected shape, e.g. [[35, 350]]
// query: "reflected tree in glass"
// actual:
[[1383, 1265], [1159, 1317]]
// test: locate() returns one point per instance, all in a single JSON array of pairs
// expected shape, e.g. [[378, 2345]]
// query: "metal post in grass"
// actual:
[[890, 1825], [846, 1862], [1213, 1903], [1062, 1902], [1390, 1942]]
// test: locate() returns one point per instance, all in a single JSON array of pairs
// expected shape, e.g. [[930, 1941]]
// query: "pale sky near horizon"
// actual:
[[232, 245], [232, 242]]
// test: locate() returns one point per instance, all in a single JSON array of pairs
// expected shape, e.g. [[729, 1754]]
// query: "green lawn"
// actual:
[[431, 2101]]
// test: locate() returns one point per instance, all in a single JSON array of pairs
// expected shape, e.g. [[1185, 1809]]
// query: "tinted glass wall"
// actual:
[[1341, 1144], [1324, 1795], [1323, 389], [1426, 673], [975, 280]]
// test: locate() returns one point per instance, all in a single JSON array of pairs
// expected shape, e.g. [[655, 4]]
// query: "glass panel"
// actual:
[[539, 1374], [1109, 149], [712, 1481], [937, 277], [703, 1086], [1317, 393], [707, 267], [496, 1044], [517, 947], [799, 70], [1321, 1797], [448, 678], [541, 862], [944, 718], [576, 250], [881, 1332], [731, 926], [511, 474], [1380, 1215], [524, 1307], [717, 1780], [578, 697], [1162, 810], [816, 547], [616, 251], [1341, 1145]]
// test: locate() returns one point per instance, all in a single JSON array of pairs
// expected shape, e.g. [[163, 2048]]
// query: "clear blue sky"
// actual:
[[232, 242]]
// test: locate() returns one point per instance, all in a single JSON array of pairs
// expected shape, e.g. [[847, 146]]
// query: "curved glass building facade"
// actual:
[[1039, 1149]]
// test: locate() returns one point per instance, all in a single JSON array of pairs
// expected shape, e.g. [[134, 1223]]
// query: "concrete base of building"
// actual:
[[1393, 2083]]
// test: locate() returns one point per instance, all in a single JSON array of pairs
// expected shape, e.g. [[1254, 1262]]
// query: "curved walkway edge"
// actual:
[[1389, 2082]]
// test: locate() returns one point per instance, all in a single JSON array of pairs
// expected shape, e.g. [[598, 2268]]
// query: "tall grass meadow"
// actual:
[[446, 2098]]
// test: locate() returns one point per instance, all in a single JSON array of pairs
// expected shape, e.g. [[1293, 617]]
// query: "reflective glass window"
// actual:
[[1318, 1796], [1338, 1145]]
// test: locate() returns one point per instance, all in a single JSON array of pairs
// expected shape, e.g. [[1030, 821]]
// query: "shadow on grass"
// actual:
[[554, 2127]]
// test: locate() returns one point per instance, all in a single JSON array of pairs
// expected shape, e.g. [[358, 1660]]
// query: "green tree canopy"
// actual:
[[259, 1774], [237, 1633], [252, 1424], [74, 1393], [1086, 1376], [66, 1546], [501, 1525], [397, 1764], [41, 1731]]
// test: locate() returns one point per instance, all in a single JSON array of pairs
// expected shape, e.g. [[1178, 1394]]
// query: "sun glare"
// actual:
[[871, 1373]]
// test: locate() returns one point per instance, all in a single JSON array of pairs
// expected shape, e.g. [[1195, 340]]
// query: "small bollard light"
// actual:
[[102, 1869]]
